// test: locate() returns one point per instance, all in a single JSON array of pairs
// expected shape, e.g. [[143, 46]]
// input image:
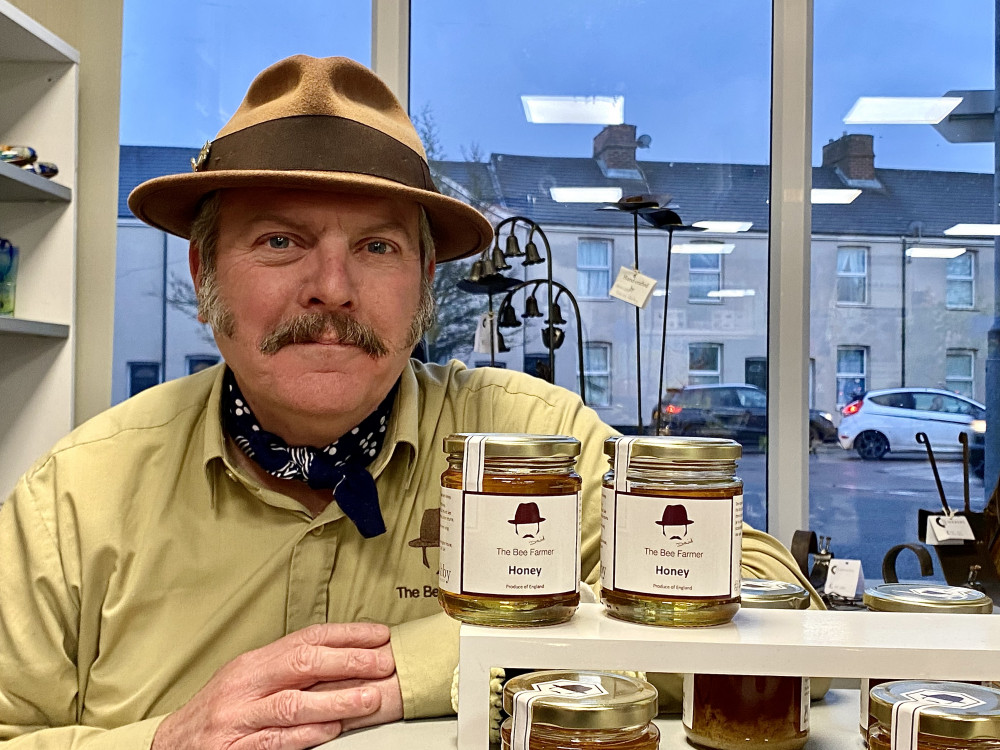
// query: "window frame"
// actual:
[[866, 253], [971, 380], [845, 374], [609, 246], [951, 278], [132, 365], [717, 373], [591, 373], [704, 273]]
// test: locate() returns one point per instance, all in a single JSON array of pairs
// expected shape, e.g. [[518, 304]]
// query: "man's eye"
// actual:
[[279, 243], [378, 247]]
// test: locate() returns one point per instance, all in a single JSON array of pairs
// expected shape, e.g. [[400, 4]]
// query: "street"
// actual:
[[866, 506]]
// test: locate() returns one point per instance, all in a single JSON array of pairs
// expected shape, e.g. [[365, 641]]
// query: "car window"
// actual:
[[752, 399], [895, 400]]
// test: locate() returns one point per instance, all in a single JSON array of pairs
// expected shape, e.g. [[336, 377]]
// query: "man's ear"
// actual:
[[431, 268], [194, 264]]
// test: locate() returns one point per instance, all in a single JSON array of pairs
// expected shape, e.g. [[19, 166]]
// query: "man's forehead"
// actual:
[[248, 205]]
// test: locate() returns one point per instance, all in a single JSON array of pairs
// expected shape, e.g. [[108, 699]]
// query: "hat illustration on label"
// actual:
[[526, 515], [675, 517], [430, 532]]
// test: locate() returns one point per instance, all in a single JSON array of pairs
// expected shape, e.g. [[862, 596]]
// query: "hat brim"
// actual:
[[170, 202]]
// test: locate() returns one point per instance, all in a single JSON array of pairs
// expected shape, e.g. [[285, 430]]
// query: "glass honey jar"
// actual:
[[579, 710], [671, 530], [510, 529], [916, 597], [934, 716], [746, 712]]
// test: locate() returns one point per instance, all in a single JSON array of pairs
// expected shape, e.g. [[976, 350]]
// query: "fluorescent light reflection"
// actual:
[[586, 194], [703, 248], [920, 251], [582, 110], [901, 110], [724, 227], [974, 230], [841, 196], [732, 293]]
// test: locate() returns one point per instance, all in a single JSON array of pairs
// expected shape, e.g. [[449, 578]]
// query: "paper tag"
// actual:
[[520, 726], [805, 700], [633, 287], [482, 342], [845, 579], [944, 530]]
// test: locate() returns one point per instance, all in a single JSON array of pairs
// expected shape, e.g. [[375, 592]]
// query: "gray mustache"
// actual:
[[314, 327]]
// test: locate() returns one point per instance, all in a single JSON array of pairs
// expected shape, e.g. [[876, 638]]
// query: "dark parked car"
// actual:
[[731, 410]]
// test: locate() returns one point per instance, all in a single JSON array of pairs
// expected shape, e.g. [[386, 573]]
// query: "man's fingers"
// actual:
[[290, 708], [341, 635], [304, 665], [289, 738]]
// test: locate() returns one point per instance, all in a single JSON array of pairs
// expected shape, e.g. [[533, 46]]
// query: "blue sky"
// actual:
[[695, 75]]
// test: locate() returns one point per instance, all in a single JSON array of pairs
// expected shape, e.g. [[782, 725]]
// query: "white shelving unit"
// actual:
[[758, 641], [39, 89]]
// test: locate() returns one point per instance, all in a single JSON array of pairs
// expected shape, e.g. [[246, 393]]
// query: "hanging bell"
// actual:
[[499, 261], [555, 315], [532, 258], [531, 308], [513, 247], [476, 272], [557, 337], [508, 318], [488, 268], [501, 345]]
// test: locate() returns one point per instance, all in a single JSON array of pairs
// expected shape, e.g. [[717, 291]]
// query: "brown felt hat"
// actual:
[[321, 124]]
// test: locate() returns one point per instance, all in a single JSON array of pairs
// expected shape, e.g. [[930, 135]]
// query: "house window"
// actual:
[[959, 369], [961, 292], [852, 373], [593, 268], [597, 373], [704, 363], [197, 363], [704, 276], [142, 375], [852, 275]]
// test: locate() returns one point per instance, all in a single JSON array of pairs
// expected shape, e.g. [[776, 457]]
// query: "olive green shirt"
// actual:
[[136, 558]]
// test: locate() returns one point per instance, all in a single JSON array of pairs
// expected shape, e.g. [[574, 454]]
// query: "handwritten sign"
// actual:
[[633, 287]]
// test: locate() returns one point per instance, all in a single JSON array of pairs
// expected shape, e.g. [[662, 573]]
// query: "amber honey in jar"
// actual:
[[578, 710], [750, 712], [510, 529], [917, 597], [671, 530], [929, 715]]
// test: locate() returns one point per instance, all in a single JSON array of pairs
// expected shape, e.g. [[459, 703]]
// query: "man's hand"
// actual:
[[262, 698]]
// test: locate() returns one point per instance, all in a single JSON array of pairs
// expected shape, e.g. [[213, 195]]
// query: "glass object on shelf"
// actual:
[[8, 276]]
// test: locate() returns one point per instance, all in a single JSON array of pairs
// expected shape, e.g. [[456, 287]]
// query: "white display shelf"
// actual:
[[22, 327], [19, 186], [22, 39], [758, 642]]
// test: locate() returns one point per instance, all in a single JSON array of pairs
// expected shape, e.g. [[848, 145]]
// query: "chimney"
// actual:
[[853, 156], [614, 148]]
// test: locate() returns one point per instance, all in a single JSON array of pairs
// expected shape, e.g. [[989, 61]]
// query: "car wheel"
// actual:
[[871, 445]]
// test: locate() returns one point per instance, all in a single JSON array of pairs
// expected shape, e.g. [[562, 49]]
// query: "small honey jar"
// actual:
[[917, 597], [671, 530], [556, 710], [745, 712], [510, 529], [934, 716]]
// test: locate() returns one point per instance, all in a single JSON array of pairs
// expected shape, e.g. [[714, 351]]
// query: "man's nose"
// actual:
[[329, 279]]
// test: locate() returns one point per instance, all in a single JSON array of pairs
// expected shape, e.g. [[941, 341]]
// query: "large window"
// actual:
[[705, 277], [597, 371], [704, 363], [961, 280], [852, 373], [593, 268], [960, 372], [852, 275], [142, 375]]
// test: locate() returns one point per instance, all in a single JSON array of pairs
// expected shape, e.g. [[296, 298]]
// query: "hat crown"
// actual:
[[675, 515], [325, 86]]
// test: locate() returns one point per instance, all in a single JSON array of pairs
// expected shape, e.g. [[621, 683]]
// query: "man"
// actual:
[[239, 559]]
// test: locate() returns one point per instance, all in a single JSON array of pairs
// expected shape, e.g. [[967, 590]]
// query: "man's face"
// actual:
[[321, 289], [678, 531]]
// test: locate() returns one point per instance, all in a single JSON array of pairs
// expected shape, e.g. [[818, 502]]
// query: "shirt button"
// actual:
[[318, 531]]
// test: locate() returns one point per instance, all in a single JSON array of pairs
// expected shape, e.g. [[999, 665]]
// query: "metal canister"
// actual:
[[928, 715], [583, 710], [917, 597], [750, 712], [510, 529], [671, 530]]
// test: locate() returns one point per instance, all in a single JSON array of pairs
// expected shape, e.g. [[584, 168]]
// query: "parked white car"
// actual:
[[889, 420]]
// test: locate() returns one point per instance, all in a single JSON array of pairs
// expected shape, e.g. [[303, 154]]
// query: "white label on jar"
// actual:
[[509, 545], [804, 706], [687, 701], [865, 697], [671, 547]]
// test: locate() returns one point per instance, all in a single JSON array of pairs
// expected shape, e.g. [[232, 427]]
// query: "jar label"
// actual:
[[509, 545], [906, 714], [804, 705], [865, 719], [687, 701], [675, 547], [520, 726]]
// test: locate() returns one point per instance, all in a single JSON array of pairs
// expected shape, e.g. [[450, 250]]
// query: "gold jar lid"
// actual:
[[679, 448], [514, 445], [760, 593], [588, 700], [927, 597], [960, 711]]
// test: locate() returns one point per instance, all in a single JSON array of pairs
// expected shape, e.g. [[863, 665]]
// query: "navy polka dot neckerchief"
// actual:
[[341, 466]]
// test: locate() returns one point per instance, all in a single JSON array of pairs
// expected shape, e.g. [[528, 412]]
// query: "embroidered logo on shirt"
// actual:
[[430, 532]]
